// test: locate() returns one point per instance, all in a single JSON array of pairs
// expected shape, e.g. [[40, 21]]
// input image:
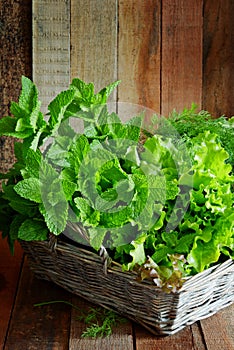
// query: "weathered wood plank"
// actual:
[[218, 330], [198, 339], [94, 41], [9, 275], [34, 328], [139, 53], [181, 61], [183, 340], [51, 48], [15, 60], [121, 338], [218, 57]]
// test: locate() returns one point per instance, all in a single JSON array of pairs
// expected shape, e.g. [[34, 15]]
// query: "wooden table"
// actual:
[[24, 326]]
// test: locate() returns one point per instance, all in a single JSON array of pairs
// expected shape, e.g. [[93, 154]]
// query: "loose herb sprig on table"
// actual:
[[162, 207], [99, 322]]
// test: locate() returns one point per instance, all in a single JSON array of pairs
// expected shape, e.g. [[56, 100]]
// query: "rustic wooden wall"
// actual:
[[218, 57], [166, 53], [15, 60]]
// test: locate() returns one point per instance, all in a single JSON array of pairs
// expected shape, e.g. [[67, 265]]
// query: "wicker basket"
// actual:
[[81, 272]]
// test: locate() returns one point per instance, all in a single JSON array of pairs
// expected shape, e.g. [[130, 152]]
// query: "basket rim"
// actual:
[[60, 243]]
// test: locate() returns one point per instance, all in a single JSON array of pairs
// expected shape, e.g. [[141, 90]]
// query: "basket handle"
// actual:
[[102, 251], [105, 258], [52, 242]]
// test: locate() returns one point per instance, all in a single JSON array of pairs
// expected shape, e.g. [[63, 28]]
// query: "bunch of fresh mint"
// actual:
[[160, 201]]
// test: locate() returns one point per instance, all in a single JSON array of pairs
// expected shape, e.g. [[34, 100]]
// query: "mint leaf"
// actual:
[[33, 163], [27, 111], [36, 141], [28, 99], [97, 236], [24, 206], [55, 216], [78, 151], [15, 225], [18, 203], [58, 151], [105, 92], [16, 110], [69, 188], [58, 108], [54, 205], [65, 129], [83, 91], [33, 230], [19, 152], [29, 189], [8, 128]]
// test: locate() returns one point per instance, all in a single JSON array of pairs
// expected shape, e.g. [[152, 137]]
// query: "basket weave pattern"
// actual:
[[81, 272]]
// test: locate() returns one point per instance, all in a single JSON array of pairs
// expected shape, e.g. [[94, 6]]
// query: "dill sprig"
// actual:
[[99, 322]]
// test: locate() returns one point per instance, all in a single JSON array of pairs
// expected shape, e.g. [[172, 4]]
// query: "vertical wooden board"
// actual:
[[9, 275], [181, 54], [45, 327], [139, 52], [94, 41], [218, 57], [120, 339], [15, 61], [183, 340], [51, 48], [218, 330]]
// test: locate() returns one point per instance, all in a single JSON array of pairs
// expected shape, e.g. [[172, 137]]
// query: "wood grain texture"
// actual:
[[197, 335], [51, 48], [15, 61], [218, 57], [181, 61], [139, 52], [183, 340], [94, 41], [45, 327], [9, 275], [120, 339], [218, 330]]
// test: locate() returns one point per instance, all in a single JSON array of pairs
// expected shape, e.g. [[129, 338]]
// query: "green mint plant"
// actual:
[[159, 197]]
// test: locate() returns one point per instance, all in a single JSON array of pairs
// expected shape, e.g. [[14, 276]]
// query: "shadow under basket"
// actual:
[[82, 272]]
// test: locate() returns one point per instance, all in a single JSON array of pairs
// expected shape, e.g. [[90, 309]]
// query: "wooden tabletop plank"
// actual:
[[219, 330], [183, 340], [9, 275], [198, 339], [120, 339], [45, 327]]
